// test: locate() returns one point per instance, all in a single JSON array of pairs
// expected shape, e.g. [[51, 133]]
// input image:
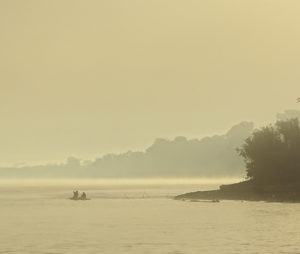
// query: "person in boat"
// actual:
[[75, 194], [83, 196]]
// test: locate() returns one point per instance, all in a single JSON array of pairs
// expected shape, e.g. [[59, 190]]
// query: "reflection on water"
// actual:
[[139, 217]]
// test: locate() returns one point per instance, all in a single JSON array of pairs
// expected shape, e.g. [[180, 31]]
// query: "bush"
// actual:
[[272, 153]]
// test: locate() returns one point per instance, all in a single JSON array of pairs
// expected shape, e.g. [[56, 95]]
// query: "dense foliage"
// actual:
[[213, 156], [272, 153]]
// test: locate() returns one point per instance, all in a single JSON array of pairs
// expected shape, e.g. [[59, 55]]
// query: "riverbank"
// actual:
[[249, 191]]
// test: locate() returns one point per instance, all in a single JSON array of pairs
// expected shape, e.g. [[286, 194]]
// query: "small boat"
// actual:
[[76, 199], [76, 196]]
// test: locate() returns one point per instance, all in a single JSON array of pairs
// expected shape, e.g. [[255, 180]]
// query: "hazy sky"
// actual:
[[88, 77]]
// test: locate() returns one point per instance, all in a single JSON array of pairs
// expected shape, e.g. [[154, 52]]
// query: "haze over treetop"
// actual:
[[92, 77]]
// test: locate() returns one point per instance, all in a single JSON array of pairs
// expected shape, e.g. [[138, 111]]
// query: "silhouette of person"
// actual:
[[75, 195], [83, 196]]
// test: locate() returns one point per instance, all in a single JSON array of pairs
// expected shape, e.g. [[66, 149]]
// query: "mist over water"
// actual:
[[132, 103], [139, 216]]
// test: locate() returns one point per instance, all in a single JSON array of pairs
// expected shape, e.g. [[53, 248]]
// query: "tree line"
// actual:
[[272, 153]]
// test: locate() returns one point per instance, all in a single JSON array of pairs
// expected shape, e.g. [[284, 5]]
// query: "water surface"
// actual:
[[139, 217]]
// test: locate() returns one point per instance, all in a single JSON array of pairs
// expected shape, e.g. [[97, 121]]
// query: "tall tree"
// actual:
[[272, 153]]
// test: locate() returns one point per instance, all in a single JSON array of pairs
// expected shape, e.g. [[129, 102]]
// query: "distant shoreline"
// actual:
[[248, 191]]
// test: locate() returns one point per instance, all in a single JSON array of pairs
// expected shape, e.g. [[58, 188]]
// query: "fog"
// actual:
[[149, 126], [88, 183], [208, 157], [90, 78], [213, 156]]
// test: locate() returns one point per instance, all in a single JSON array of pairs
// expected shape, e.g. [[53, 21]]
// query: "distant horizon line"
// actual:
[[36, 163], [118, 181]]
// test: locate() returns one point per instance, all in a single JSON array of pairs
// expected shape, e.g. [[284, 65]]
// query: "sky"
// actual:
[[85, 78]]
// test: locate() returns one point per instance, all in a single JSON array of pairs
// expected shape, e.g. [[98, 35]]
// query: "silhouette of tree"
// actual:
[[272, 153]]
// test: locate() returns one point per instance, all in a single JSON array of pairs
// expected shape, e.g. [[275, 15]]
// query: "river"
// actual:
[[139, 216]]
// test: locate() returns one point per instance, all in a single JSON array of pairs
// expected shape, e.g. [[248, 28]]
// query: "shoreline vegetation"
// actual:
[[248, 191], [272, 158], [177, 158]]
